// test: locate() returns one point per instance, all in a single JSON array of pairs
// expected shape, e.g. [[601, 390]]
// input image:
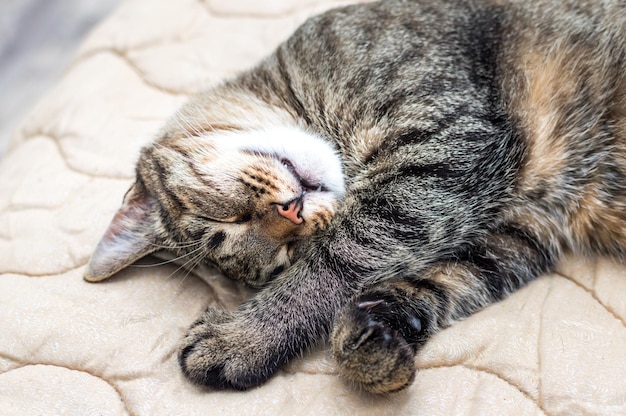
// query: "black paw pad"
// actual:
[[397, 316], [197, 371]]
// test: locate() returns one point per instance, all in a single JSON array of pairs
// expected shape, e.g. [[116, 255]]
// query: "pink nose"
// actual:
[[291, 211]]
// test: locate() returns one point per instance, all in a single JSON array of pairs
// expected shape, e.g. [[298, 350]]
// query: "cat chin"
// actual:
[[312, 157]]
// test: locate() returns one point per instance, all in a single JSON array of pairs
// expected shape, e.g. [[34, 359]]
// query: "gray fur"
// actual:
[[480, 140]]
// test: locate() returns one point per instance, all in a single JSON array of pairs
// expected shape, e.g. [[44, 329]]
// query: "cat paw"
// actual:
[[219, 351], [370, 354]]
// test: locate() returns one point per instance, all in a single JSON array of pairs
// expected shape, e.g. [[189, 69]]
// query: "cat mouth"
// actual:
[[307, 184]]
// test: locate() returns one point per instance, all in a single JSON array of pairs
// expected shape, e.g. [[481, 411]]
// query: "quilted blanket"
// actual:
[[556, 347]]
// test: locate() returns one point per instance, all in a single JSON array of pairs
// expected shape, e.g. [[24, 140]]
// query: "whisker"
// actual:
[[188, 266], [192, 252], [194, 263], [176, 245]]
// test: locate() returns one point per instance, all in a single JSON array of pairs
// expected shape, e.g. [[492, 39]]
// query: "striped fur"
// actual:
[[223, 198], [479, 141]]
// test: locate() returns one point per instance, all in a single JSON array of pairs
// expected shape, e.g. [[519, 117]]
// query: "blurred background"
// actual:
[[37, 41]]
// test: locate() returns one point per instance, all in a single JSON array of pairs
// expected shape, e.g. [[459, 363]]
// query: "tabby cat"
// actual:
[[392, 167]]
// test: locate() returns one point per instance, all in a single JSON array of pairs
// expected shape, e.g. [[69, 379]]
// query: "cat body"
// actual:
[[392, 167]]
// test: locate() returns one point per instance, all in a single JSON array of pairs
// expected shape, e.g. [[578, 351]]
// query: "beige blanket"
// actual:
[[69, 347]]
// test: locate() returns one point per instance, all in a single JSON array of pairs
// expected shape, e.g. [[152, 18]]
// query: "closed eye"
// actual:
[[244, 218], [240, 219]]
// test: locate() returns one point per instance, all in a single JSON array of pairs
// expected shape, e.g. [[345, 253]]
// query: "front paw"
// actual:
[[369, 353], [221, 351]]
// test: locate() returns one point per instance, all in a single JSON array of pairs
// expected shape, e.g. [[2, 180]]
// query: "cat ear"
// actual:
[[130, 236]]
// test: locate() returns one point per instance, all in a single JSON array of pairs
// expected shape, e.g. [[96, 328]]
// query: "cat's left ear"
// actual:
[[130, 236]]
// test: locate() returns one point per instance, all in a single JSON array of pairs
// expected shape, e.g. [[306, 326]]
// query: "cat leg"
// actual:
[[228, 350], [244, 348], [370, 349], [377, 335]]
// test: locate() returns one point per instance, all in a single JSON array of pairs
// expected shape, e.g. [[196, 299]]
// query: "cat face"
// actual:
[[241, 201]]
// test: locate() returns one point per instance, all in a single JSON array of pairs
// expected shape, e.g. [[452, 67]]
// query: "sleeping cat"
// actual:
[[391, 168]]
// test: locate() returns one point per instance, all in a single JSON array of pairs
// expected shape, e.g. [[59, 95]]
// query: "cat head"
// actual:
[[240, 201]]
